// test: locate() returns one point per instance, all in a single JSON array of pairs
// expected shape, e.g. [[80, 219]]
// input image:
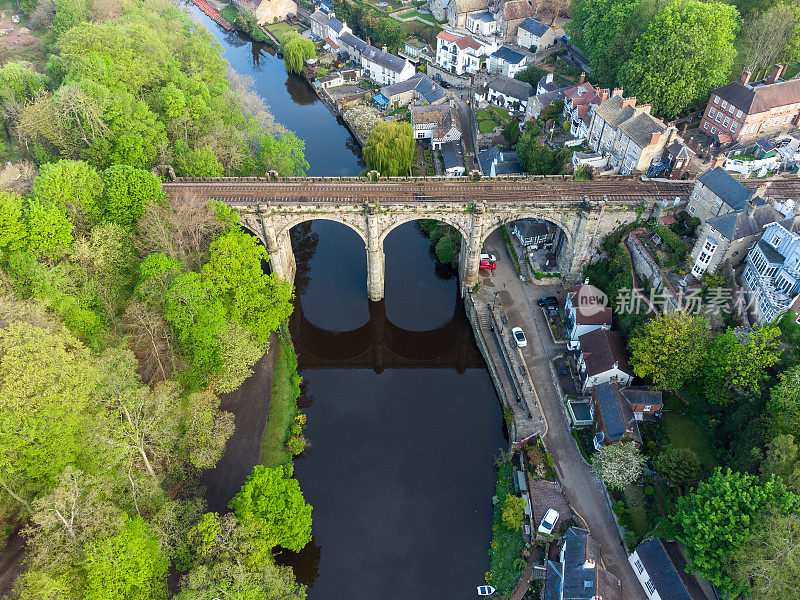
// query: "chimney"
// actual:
[[628, 101], [654, 137], [369, 43], [616, 92], [776, 72], [603, 94], [586, 281], [645, 108], [616, 364], [583, 77], [332, 15], [384, 48], [719, 160], [548, 78], [746, 75]]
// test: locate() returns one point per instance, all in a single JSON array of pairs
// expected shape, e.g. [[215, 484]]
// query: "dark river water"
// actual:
[[403, 421]]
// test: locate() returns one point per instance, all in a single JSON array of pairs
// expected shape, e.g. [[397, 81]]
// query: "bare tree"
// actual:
[[151, 342], [764, 39]]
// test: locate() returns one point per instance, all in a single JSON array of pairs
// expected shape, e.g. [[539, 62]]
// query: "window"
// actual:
[[639, 566], [709, 246], [705, 125], [727, 120], [719, 117], [711, 112], [738, 114], [730, 109], [716, 99], [704, 258], [776, 239], [692, 209], [650, 587], [713, 130], [734, 125], [724, 103]]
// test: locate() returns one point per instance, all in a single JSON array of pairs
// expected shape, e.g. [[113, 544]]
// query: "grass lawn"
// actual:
[[486, 126], [791, 72], [416, 13], [684, 432], [282, 409], [282, 31], [482, 115], [634, 498], [500, 113]]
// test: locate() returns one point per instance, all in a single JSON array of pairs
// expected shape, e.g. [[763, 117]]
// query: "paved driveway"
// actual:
[[580, 486]]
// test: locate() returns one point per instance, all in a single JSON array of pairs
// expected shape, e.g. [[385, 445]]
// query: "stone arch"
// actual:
[[564, 259], [351, 223], [461, 227]]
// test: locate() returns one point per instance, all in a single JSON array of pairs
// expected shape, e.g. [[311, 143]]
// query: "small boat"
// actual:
[[485, 590]]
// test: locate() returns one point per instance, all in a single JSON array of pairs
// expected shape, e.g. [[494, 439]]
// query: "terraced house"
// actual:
[[630, 137], [742, 109], [459, 54]]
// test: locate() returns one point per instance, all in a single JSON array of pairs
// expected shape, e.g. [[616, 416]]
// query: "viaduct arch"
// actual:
[[584, 211]]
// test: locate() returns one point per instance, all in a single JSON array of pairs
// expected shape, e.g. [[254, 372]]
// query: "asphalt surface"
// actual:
[[583, 490]]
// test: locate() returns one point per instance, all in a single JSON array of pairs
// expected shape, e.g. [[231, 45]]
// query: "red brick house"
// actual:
[[742, 109]]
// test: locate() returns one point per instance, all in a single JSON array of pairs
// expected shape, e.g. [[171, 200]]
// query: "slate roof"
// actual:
[[678, 149], [669, 578], [517, 9], [772, 255], [641, 128], [549, 83], [601, 348], [486, 157], [612, 112], [529, 229], [402, 86], [511, 87], [384, 59], [534, 27], [743, 223], [452, 155], [509, 165], [485, 17], [760, 98], [617, 413], [336, 25], [552, 580], [319, 17], [639, 395], [354, 42], [724, 186], [508, 55], [579, 548], [431, 92]]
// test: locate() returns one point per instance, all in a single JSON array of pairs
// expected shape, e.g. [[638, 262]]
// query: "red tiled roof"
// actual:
[[447, 36], [602, 348], [331, 43], [468, 42]]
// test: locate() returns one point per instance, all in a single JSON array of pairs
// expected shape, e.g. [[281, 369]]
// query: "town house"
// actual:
[[439, 124], [510, 14], [716, 192], [508, 92], [661, 569], [578, 574], [745, 109], [458, 54], [506, 61], [585, 310], [384, 68], [535, 35], [603, 358]]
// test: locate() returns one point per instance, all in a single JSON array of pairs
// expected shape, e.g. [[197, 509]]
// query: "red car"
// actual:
[[488, 265]]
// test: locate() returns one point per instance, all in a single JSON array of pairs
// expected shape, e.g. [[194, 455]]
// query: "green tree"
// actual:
[[49, 230], [552, 111], [238, 352], [717, 519], [513, 512], [783, 405], [250, 297], [199, 162], [127, 566], [669, 349], [781, 460], [284, 154], [740, 365], [686, 52], [618, 465], [272, 499], [511, 133], [73, 186], [68, 14], [390, 148], [127, 191], [13, 225], [767, 566], [679, 465], [207, 429], [235, 582], [296, 52], [44, 373]]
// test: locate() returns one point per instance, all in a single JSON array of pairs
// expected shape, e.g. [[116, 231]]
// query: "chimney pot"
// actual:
[[617, 92], [746, 75], [583, 77], [384, 48], [645, 108], [628, 101]]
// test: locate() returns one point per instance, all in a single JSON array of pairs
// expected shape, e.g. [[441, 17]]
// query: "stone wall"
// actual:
[[647, 268]]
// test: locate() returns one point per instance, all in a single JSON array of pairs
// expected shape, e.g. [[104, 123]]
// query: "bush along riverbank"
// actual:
[[283, 435], [246, 22], [505, 552], [445, 240]]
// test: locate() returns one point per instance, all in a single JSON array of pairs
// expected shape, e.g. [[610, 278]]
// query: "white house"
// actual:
[[458, 54], [482, 23], [509, 93], [319, 24], [453, 158], [661, 569], [585, 310], [603, 358], [506, 61], [336, 28], [535, 35], [384, 68], [438, 123], [772, 273]]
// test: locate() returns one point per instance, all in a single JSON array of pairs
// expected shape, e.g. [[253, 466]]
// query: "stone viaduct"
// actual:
[[585, 211]]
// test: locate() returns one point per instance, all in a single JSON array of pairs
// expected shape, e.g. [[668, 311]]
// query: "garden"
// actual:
[[282, 31], [491, 117]]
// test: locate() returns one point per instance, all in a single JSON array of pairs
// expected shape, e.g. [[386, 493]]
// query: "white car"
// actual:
[[490, 257], [519, 337], [548, 521]]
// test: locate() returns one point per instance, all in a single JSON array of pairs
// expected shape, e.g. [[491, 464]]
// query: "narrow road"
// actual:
[[582, 489], [465, 116]]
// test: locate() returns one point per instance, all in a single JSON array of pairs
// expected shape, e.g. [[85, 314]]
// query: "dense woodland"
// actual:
[[124, 314], [673, 53]]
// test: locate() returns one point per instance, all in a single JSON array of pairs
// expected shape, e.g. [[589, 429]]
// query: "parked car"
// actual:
[[488, 265], [490, 257], [519, 337], [547, 301], [548, 521], [444, 84]]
